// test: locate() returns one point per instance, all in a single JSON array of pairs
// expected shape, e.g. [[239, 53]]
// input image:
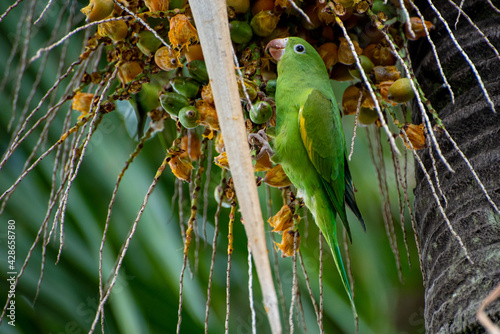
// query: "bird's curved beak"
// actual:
[[276, 47]]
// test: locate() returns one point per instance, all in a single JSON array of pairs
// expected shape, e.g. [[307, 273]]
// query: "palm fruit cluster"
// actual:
[[162, 74]]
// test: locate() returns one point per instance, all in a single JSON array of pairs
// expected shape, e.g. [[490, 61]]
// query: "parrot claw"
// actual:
[[261, 138]]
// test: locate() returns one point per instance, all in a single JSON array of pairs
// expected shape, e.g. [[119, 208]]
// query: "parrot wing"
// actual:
[[349, 195], [322, 134]]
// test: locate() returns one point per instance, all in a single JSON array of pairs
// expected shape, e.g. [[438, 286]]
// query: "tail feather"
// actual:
[[331, 239], [349, 194]]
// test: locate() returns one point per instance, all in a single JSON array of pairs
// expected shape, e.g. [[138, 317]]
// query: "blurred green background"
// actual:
[[145, 298]]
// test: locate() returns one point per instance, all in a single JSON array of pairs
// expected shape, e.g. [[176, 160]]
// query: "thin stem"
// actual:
[[464, 54], [126, 244]]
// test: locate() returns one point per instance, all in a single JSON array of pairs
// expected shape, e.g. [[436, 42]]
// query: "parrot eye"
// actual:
[[299, 48]]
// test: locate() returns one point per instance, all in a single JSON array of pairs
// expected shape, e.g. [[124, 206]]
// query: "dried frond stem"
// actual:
[[50, 116], [356, 119], [407, 17], [13, 51], [309, 289], [17, 140], [386, 210], [253, 315], [301, 12], [52, 202], [11, 7], [295, 285], [43, 11], [476, 28], [412, 217], [22, 67], [131, 158], [493, 6], [300, 310], [92, 127], [188, 237], [53, 196], [180, 191], [71, 33], [399, 184], [61, 140], [459, 12]]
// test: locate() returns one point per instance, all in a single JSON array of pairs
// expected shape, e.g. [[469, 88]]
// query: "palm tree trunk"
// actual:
[[454, 287]]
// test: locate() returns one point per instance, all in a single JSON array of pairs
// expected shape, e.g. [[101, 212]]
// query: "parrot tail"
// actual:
[[331, 239], [349, 194]]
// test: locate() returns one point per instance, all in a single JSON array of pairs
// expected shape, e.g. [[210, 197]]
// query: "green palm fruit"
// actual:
[[198, 70], [241, 32], [148, 43], [261, 112], [264, 23], [172, 102], [187, 87], [401, 91], [250, 87], [189, 117], [366, 64], [367, 116]]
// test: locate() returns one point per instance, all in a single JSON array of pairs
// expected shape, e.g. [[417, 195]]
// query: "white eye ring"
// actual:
[[299, 48]]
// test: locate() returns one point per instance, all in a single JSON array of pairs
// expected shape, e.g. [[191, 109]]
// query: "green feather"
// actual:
[[310, 145]]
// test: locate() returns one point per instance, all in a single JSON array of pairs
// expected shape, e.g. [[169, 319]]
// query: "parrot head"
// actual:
[[295, 53]]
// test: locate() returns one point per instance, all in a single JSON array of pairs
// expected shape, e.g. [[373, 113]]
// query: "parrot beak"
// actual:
[[277, 47]]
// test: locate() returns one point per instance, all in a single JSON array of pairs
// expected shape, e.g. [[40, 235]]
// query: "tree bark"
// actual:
[[454, 287]]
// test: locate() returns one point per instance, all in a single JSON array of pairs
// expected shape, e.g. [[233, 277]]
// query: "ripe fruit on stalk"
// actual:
[[157, 5], [401, 91], [116, 30], [167, 58], [98, 10]]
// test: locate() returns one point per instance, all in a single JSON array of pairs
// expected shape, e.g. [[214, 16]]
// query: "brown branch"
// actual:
[[213, 29]]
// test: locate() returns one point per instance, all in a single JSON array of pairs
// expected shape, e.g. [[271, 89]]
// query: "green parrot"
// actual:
[[309, 141]]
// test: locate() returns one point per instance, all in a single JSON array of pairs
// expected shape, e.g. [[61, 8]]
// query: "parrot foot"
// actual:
[[261, 138]]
